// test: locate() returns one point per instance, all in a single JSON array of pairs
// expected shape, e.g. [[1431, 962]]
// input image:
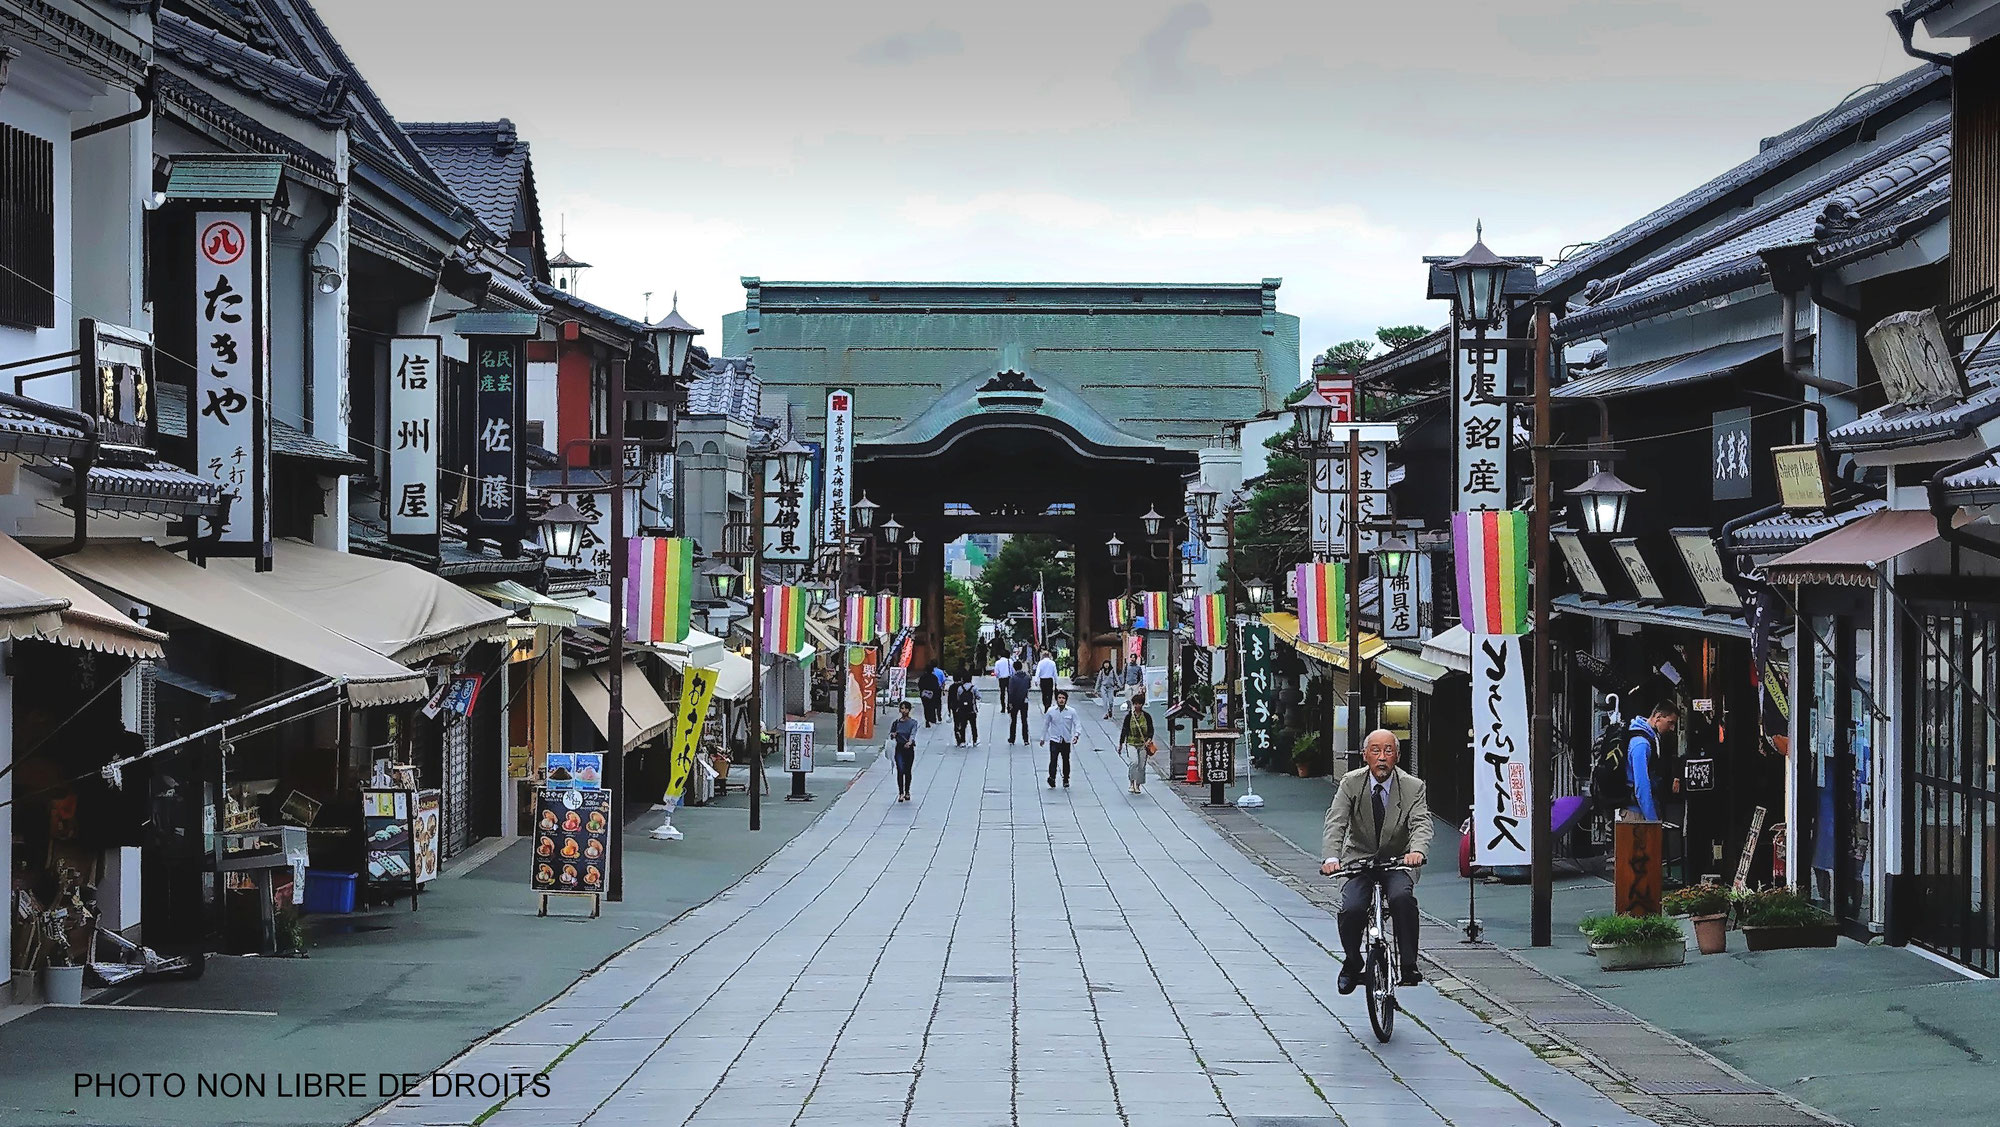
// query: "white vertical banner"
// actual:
[[415, 367], [229, 412], [1502, 769], [1479, 427], [1400, 599], [839, 463], [1329, 498], [788, 513]]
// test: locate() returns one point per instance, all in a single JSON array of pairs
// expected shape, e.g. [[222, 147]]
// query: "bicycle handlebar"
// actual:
[[1369, 865]]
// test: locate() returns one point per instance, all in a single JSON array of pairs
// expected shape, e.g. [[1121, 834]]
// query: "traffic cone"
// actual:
[[1194, 768]]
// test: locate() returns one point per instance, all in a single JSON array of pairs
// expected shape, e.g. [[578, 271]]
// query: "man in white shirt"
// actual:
[[1003, 669], [1045, 672], [1061, 728]]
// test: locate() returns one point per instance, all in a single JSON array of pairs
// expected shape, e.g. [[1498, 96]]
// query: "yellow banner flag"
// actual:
[[697, 687]]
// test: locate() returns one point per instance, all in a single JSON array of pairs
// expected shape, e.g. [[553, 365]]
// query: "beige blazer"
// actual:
[[1350, 820]]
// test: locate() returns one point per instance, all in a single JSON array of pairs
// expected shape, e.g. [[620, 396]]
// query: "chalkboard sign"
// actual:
[[1216, 755], [1698, 774]]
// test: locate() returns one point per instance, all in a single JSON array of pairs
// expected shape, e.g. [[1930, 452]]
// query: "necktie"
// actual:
[[1381, 808]]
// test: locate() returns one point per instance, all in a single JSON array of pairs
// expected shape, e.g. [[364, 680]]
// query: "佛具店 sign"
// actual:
[[229, 413]]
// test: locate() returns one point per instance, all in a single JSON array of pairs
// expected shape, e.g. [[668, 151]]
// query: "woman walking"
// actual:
[[1108, 683], [903, 732], [1135, 741]]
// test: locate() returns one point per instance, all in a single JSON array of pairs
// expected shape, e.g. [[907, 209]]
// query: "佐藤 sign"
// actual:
[[1502, 770], [229, 413], [498, 466], [414, 432]]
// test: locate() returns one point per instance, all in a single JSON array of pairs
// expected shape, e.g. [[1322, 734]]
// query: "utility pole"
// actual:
[[1353, 505], [614, 724], [1541, 738], [756, 727]]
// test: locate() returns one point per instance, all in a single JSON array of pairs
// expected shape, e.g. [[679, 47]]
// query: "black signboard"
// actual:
[[1215, 753], [572, 840], [1698, 774], [498, 467], [1730, 454]]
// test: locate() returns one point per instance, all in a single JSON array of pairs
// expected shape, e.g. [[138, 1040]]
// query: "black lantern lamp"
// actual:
[[1604, 498], [1480, 277], [792, 459], [724, 577], [1394, 557], [1205, 497], [1152, 520], [1114, 546], [562, 531], [672, 338], [914, 545], [1258, 591]]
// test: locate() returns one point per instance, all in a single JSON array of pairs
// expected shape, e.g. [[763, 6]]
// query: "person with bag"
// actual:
[[1621, 781], [964, 709], [1135, 741], [903, 734]]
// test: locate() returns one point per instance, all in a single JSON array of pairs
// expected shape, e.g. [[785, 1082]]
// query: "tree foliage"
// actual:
[[1345, 355], [958, 635], [1023, 564], [1396, 336]]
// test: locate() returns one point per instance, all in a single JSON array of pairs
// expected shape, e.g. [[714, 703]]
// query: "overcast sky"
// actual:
[[1327, 142]]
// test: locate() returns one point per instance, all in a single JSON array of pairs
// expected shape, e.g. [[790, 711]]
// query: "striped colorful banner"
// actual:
[[1041, 608], [1492, 552], [913, 613], [785, 619], [659, 585], [1121, 614], [889, 614], [858, 618], [1210, 621], [1149, 610], [1322, 591]]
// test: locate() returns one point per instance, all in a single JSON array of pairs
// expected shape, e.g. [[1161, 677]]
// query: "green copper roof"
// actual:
[[225, 178]]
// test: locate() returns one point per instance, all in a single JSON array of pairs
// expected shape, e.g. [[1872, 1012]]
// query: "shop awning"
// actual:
[[1286, 627], [822, 637], [402, 612], [1671, 371], [1848, 555], [699, 649], [1450, 648], [525, 600], [215, 598], [646, 715], [79, 617], [1680, 617], [732, 679], [1409, 670], [588, 611]]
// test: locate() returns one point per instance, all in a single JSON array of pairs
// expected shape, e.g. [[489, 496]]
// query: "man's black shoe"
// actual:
[[1411, 977], [1350, 976]]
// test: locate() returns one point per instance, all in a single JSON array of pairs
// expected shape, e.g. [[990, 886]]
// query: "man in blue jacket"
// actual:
[[1642, 744]]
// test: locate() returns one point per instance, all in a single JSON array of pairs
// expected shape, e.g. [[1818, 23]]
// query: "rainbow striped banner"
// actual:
[[1322, 592], [1121, 614], [658, 587], [858, 618], [1150, 610], [785, 619], [913, 613], [1210, 621], [1492, 552], [889, 614]]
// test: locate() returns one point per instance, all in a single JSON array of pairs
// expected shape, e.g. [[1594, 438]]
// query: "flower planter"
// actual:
[[27, 987], [1643, 956], [1789, 936], [1711, 933], [1687, 932], [62, 986]]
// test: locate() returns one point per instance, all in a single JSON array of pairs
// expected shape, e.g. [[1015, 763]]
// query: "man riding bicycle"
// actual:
[[1379, 811]]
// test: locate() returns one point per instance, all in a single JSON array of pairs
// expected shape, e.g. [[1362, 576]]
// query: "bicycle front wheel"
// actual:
[[1381, 992]]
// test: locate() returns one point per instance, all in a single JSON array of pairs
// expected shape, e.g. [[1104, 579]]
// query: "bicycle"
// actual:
[[1380, 964]]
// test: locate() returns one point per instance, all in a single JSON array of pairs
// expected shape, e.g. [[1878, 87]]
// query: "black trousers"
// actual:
[[1048, 693], [1402, 912], [930, 710], [1058, 751], [906, 762], [962, 723], [1017, 715]]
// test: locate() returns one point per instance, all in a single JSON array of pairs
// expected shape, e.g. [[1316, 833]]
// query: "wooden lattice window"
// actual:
[[27, 230]]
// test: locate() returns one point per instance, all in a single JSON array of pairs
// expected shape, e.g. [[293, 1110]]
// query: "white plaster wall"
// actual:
[[39, 98]]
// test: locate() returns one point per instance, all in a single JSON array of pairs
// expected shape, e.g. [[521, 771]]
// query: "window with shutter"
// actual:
[[27, 230]]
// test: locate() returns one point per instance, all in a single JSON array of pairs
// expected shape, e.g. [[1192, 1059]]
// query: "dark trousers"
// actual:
[[1048, 693], [1402, 912], [962, 723], [930, 710], [1017, 715], [1058, 751], [906, 762]]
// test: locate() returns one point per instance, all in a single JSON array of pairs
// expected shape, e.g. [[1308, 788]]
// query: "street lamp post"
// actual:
[[864, 523], [791, 459]]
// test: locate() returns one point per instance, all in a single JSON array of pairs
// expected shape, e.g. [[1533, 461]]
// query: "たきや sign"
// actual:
[[1502, 771], [229, 413]]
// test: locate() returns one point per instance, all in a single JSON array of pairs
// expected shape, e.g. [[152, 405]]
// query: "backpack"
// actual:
[[1610, 780]]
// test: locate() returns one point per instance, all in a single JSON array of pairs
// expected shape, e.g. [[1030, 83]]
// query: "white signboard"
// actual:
[[1329, 499], [412, 494], [799, 747], [1156, 684], [229, 412], [1402, 598], [1704, 566], [1502, 768], [1479, 429], [788, 536], [1636, 569], [1580, 563], [839, 463]]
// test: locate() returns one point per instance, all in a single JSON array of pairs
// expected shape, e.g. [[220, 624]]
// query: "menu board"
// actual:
[[572, 840], [385, 830], [424, 828]]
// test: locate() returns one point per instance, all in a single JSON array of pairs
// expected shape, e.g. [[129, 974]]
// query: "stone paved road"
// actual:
[[995, 952]]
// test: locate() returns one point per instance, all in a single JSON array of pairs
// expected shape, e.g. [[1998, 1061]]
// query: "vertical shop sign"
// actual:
[[1479, 427], [497, 465], [414, 433], [232, 388], [839, 462], [1399, 599], [1730, 454], [1329, 498], [860, 692], [697, 689], [788, 536], [1259, 693], [1502, 772]]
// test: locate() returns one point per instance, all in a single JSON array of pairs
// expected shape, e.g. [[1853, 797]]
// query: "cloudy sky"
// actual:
[[1327, 142]]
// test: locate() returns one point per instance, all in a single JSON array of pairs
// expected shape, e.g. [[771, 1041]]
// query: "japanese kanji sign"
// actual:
[[1260, 716], [1479, 429], [1730, 454], [788, 535], [1502, 770], [414, 435], [839, 462], [1329, 498], [697, 688], [497, 455], [1401, 598], [232, 386]]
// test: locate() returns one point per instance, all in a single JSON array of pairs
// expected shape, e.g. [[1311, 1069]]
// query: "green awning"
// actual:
[[225, 178]]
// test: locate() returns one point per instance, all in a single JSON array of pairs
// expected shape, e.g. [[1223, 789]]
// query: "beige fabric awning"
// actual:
[[525, 600], [81, 619], [216, 599], [402, 612], [1848, 555], [25, 613], [732, 678], [646, 715]]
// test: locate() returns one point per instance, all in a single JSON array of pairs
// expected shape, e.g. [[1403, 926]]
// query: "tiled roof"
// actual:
[[1387, 366], [193, 101], [26, 431], [252, 71], [1777, 154], [454, 559], [502, 287], [151, 487], [484, 163], [287, 441], [561, 298], [1789, 530], [1984, 478], [730, 387], [1899, 423]]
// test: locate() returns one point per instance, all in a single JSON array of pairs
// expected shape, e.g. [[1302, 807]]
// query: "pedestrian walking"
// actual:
[[965, 709], [1003, 668], [1045, 672], [903, 733], [1061, 728], [930, 690], [1018, 688], [1135, 741], [1108, 683], [1135, 677]]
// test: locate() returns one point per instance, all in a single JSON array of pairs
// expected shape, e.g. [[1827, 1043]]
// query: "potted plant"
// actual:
[[1636, 942], [1707, 907], [1306, 755], [1776, 919]]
